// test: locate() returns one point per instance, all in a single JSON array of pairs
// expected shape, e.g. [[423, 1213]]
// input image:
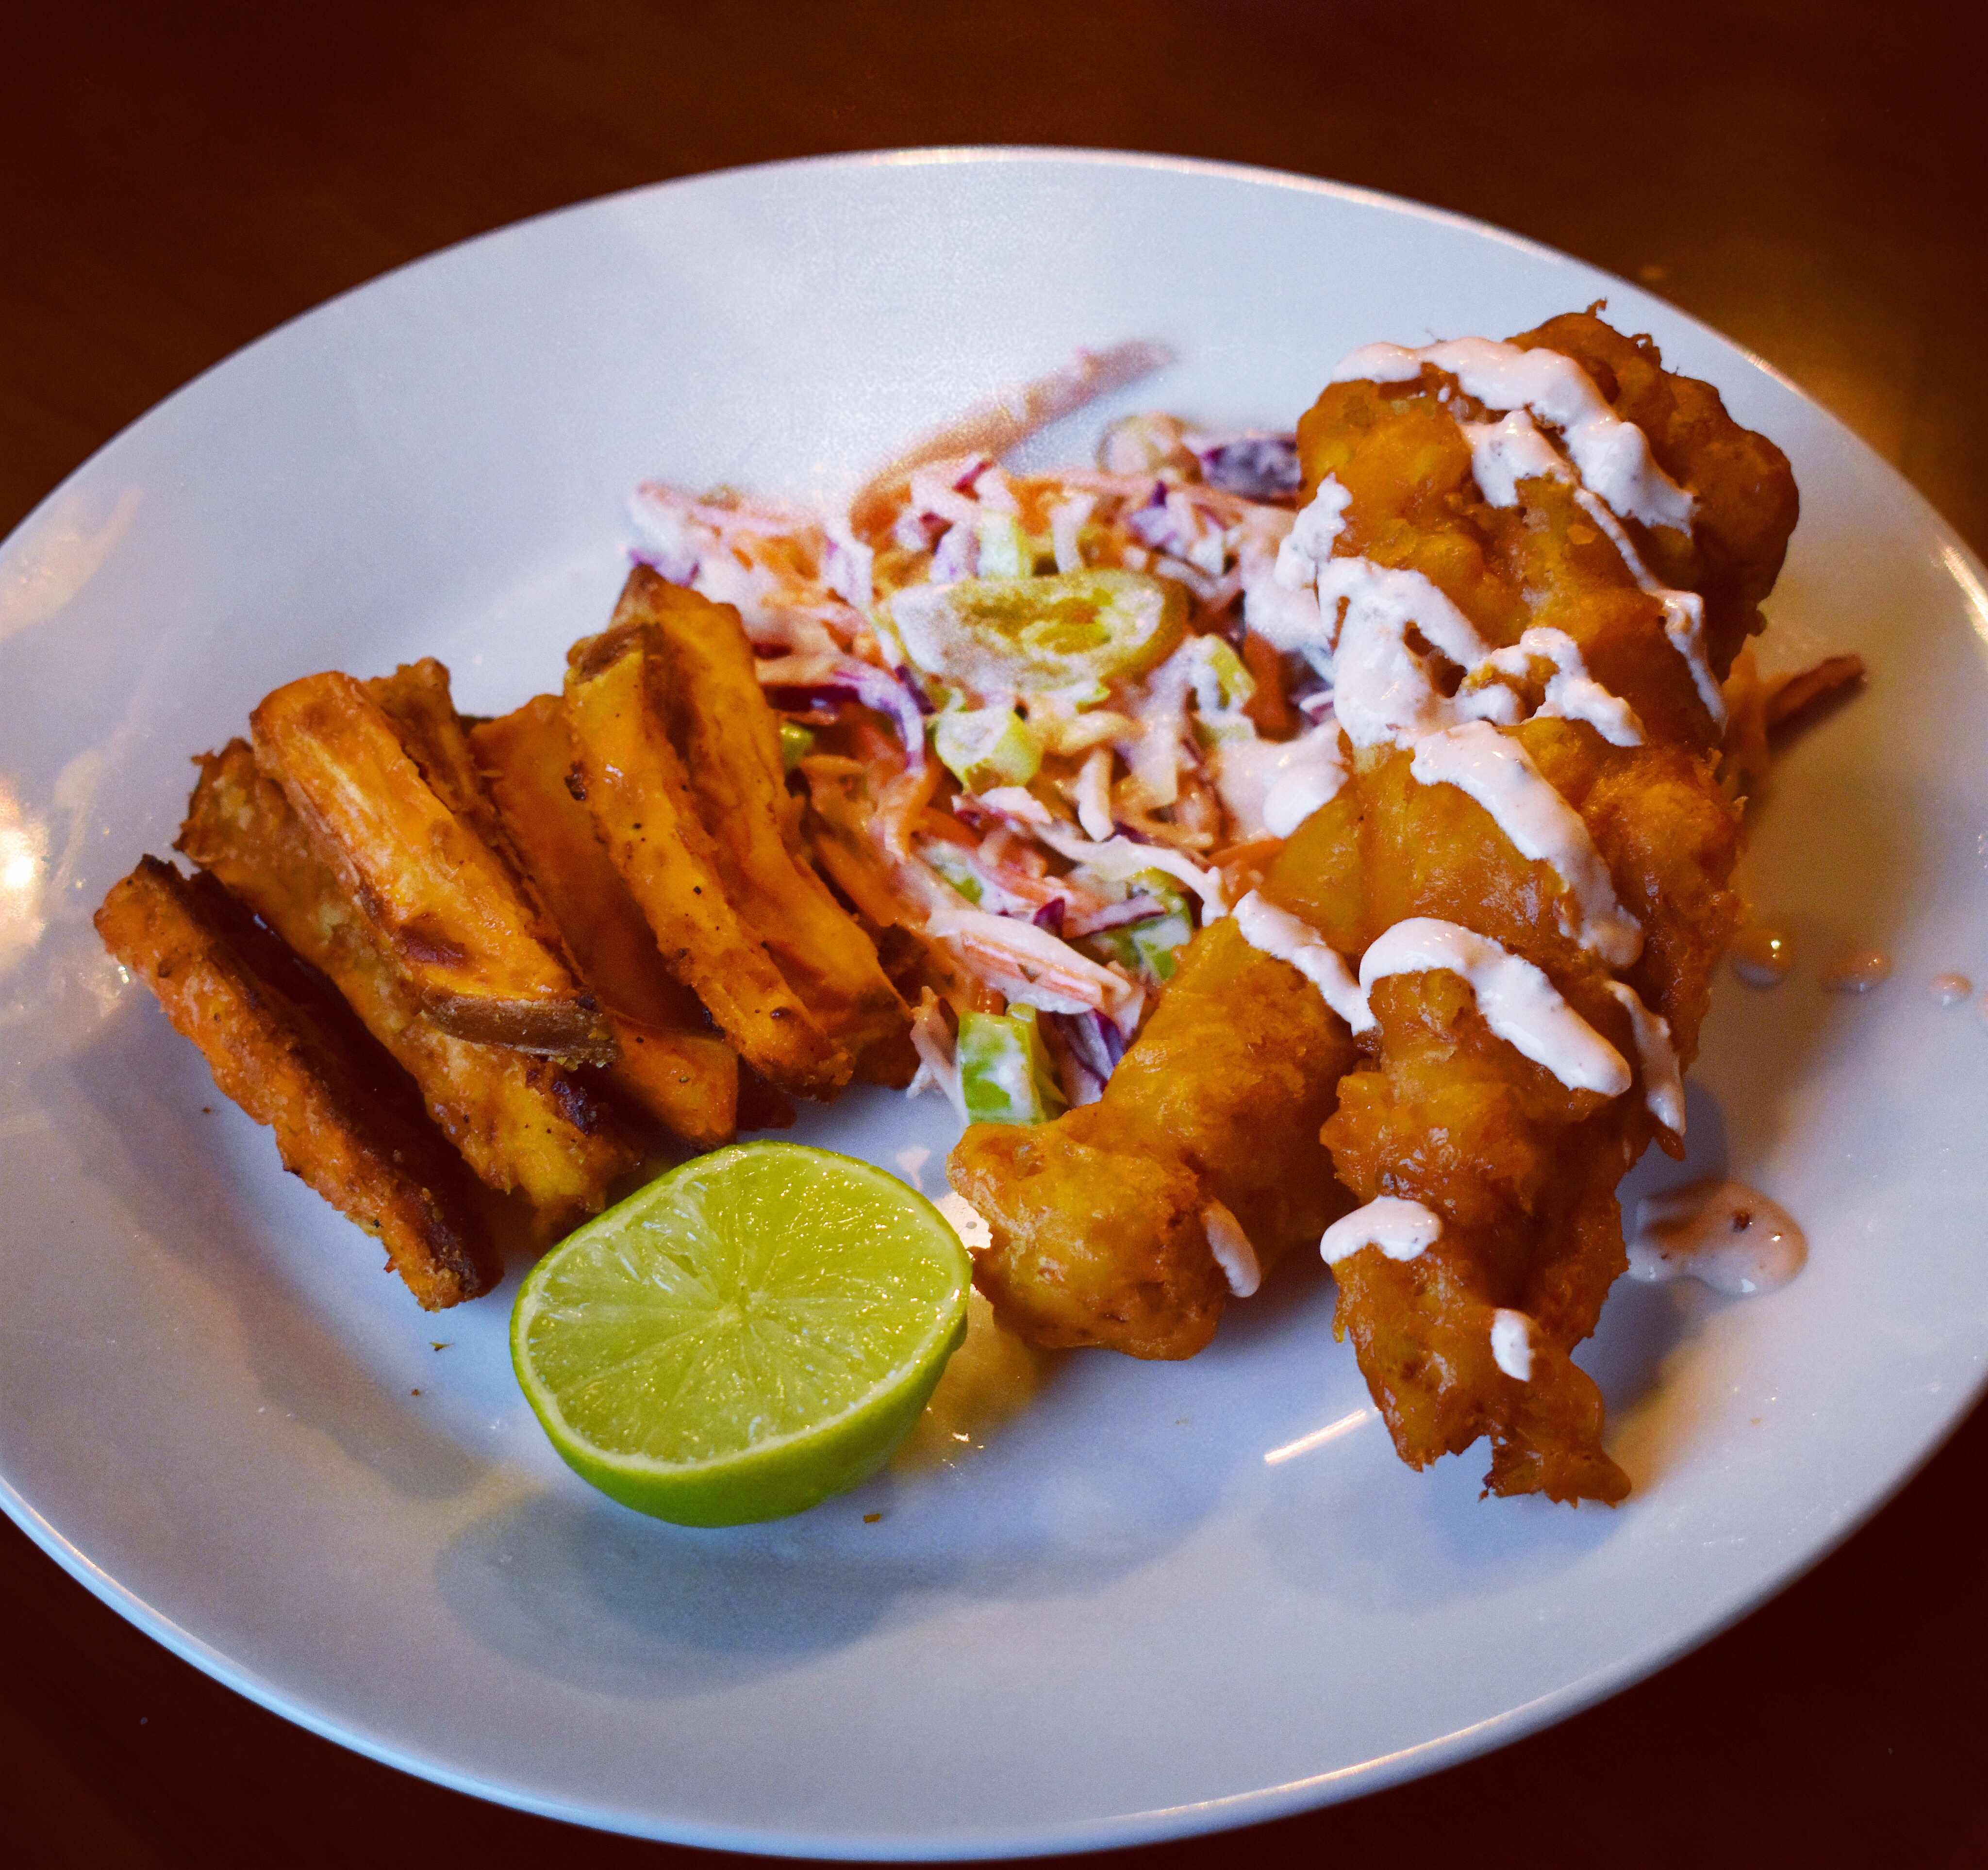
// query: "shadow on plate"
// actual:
[[124, 1100], [1090, 1480]]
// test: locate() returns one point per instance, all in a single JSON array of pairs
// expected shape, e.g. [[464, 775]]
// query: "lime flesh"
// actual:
[[751, 1333]]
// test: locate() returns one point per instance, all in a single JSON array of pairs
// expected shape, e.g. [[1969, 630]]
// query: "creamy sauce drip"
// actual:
[[1663, 1080], [1385, 691], [1277, 932], [1857, 971], [1613, 456], [1761, 956], [1505, 452], [1401, 1230], [1519, 1004], [1684, 611], [1728, 1235], [1498, 772], [1571, 693], [1270, 787], [1231, 1249], [1511, 1343]]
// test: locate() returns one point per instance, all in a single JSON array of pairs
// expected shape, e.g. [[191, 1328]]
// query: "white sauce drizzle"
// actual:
[[1278, 933], [1270, 787], [1304, 550], [1724, 1233], [1684, 611], [1663, 1082], [1519, 1003], [1401, 1230], [1511, 1343], [1504, 453], [1231, 1249], [1571, 693], [1613, 456], [1383, 690], [1497, 771]]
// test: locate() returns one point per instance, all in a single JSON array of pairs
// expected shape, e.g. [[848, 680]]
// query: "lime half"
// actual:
[[751, 1333]]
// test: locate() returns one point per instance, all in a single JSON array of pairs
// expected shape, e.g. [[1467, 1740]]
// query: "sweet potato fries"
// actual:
[[408, 932]]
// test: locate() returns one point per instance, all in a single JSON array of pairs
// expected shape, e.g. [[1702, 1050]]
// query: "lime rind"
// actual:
[[672, 1250]]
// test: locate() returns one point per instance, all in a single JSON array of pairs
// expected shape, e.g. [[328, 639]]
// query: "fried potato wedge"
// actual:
[[416, 698], [520, 1122], [671, 1063], [729, 742], [442, 904], [634, 784], [346, 1119]]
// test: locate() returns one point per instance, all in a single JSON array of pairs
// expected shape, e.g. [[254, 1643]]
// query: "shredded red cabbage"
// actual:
[[1256, 467]]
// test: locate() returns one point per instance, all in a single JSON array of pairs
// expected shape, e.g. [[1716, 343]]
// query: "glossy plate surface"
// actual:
[[1157, 1599]]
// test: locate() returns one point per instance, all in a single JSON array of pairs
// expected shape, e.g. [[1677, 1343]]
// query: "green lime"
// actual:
[[749, 1335]]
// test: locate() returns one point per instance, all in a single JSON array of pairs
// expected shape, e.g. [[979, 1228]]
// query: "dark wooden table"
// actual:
[[1811, 179]]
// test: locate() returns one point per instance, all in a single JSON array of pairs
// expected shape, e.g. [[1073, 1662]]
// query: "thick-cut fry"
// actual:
[[642, 801], [520, 1122], [442, 904], [345, 1119], [729, 742], [416, 698], [671, 1063]]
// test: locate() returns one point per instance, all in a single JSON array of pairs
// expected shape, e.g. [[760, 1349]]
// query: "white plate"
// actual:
[[1125, 1618]]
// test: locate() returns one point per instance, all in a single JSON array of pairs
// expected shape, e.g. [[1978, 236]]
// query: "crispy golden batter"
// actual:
[[520, 1122], [729, 742], [1398, 451], [345, 1118], [446, 908], [1098, 1219], [1521, 1171], [671, 1063], [1747, 503], [633, 779]]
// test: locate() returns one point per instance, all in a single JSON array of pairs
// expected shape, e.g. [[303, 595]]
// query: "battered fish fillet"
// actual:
[[1516, 1166], [292, 1057], [1520, 1170], [1101, 1221]]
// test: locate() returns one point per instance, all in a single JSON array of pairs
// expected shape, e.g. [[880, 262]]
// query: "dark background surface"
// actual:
[[1811, 179]]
